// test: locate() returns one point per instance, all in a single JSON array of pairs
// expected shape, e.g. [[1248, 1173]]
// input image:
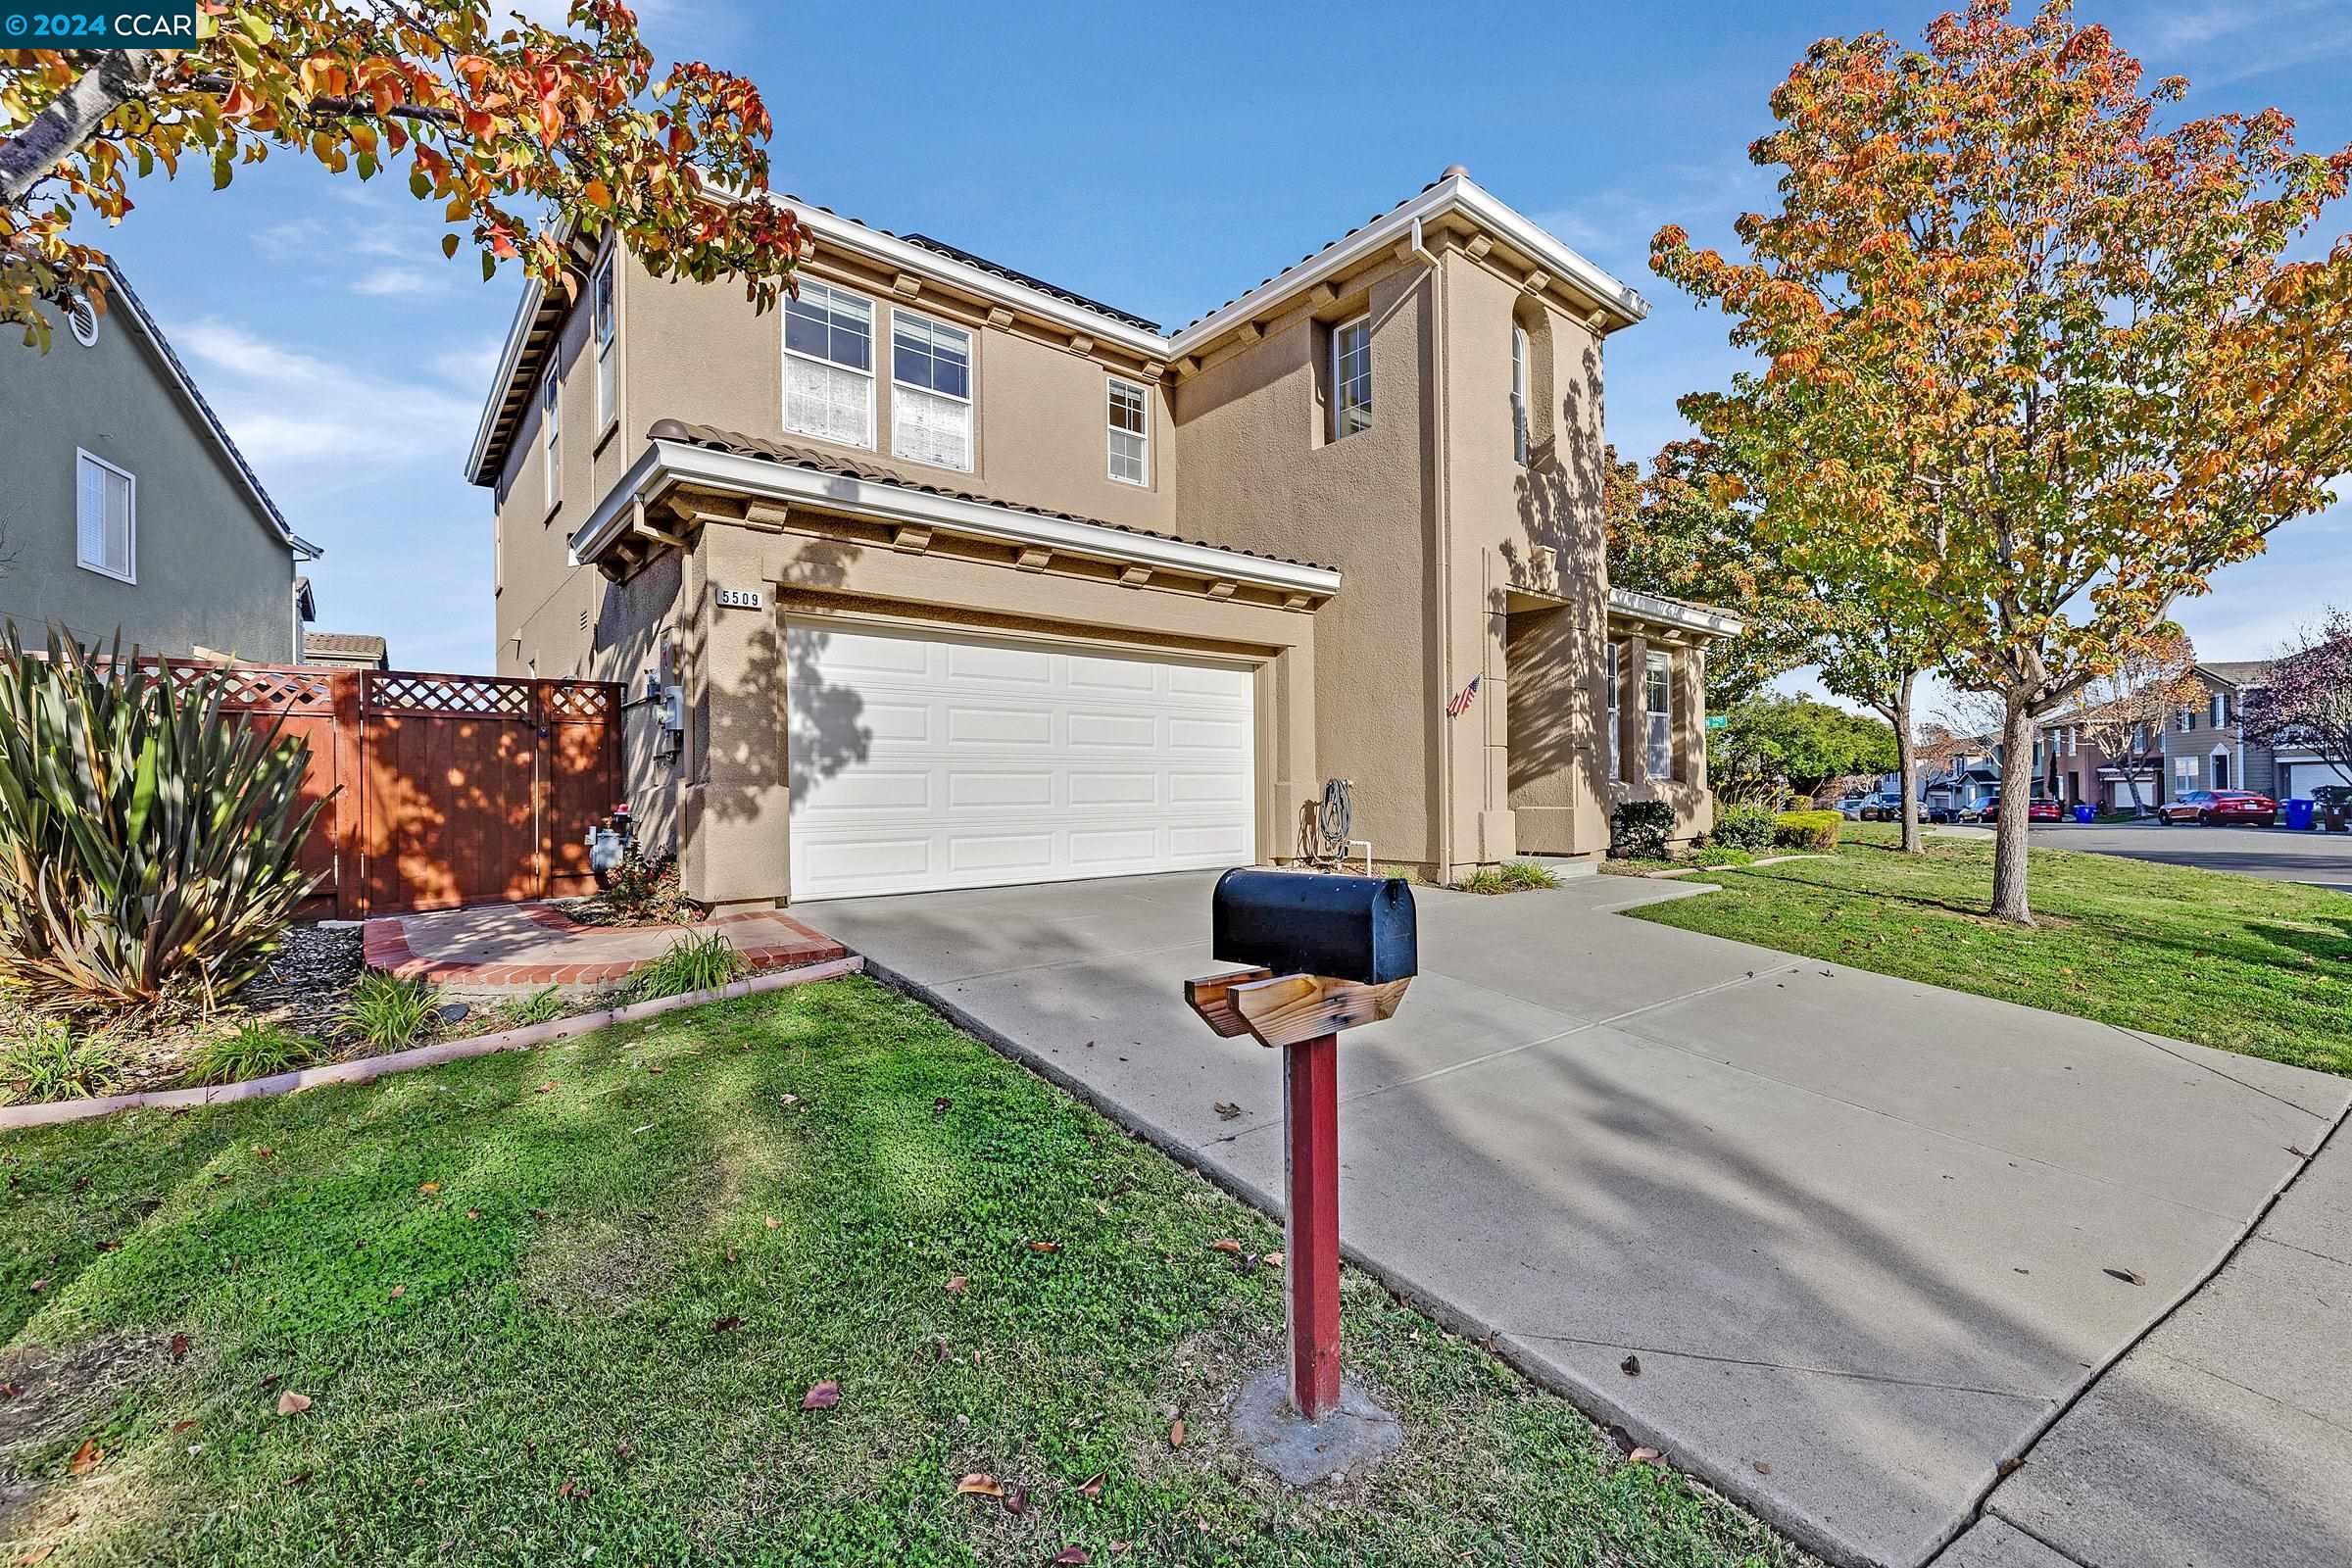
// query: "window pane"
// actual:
[[1127, 457], [827, 401], [828, 324], [1658, 702], [90, 524], [603, 304], [931, 355], [1352, 378], [117, 524], [930, 428]]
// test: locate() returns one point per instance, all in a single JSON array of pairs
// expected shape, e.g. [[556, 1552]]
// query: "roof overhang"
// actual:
[[1673, 612], [665, 466]]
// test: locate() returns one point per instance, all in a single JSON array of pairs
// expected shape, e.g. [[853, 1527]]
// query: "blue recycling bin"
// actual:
[[2298, 815], [2083, 814]]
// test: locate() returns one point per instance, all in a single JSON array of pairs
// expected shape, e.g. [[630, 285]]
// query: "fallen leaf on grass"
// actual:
[[979, 1484], [292, 1403], [1272, 1260], [788, 1100], [1045, 1246], [428, 1189], [824, 1397], [1072, 1554], [1092, 1488], [653, 1067], [181, 1427], [263, 1152], [300, 1478], [942, 1105], [1225, 1245], [773, 1222], [473, 1213], [544, 1088], [727, 1324], [1176, 1434], [37, 1554], [37, 1286], [1647, 1456], [955, 1285], [180, 1347], [1016, 1499], [86, 1458]]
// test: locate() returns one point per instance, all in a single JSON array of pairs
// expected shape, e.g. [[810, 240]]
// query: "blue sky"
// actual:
[[1164, 159]]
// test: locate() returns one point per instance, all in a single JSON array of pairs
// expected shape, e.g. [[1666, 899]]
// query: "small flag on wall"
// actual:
[[1462, 700]]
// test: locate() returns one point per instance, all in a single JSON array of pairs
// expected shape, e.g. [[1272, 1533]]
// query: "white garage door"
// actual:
[[922, 760], [2299, 779]]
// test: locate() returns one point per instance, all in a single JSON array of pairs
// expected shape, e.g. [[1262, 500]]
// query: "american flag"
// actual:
[[1462, 700]]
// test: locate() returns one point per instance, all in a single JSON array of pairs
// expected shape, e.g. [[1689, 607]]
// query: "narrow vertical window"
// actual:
[[1130, 433], [106, 504], [2220, 709], [1518, 393], [551, 428], [607, 387], [1657, 702], [1616, 706], [1351, 378], [931, 391], [829, 365]]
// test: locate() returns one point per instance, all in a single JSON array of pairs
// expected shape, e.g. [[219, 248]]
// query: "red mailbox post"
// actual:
[[1301, 1015]]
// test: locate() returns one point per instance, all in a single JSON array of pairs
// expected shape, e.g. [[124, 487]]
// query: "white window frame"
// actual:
[[604, 333], [551, 427], [970, 403], [1616, 664], [1113, 386], [1339, 405], [2216, 709], [873, 322], [1657, 752], [1520, 438], [130, 541], [2185, 775]]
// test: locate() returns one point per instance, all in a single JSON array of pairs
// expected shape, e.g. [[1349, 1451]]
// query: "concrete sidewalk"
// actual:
[[1866, 1237]]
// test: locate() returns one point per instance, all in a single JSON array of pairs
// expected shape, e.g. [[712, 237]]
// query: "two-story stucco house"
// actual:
[[127, 509], [944, 577]]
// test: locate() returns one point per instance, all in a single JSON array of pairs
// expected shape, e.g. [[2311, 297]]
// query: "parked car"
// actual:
[[2042, 808], [1850, 807], [2207, 808], [1882, 806], [2332, 809]]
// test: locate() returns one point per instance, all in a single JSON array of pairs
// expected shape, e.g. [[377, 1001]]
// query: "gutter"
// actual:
[[667, 465]]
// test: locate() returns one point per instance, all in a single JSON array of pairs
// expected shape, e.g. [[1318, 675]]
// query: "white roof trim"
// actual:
[[1670, 613], [1455, 192], [668, 464]]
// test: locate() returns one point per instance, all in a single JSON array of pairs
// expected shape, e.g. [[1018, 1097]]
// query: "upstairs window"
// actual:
[[1657, 702], [2188, 719], [1351, 378], [551, 428], [1519, 394], [106, 517], [2220, 709], [607, 389], [931, 391], [829, 365], [1130, 433]]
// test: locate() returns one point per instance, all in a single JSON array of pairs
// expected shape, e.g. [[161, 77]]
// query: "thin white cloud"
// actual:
[[394, 282], [289, 406]]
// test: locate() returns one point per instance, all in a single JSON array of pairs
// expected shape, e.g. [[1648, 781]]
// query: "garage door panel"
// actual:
[[976, 763]]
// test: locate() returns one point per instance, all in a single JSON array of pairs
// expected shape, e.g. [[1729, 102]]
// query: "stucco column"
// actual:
[[1633, 719], [735, 848]]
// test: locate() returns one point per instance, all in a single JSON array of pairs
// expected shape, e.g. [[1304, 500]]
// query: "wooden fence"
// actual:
[[446, 789]]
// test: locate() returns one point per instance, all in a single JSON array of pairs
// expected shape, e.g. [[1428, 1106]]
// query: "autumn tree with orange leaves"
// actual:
[[526, 136], [2040, 366]]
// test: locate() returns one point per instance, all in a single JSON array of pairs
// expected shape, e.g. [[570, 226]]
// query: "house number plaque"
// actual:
[[739, 597]]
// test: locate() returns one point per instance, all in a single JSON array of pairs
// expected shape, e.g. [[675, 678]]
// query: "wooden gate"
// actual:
[[447, 789]]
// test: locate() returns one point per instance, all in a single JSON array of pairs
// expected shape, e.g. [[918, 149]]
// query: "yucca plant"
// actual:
[[149, 843]]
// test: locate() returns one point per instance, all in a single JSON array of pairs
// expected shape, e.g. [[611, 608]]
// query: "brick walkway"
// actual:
[[516, 947]]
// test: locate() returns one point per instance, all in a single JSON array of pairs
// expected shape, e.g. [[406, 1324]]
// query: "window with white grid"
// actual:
[[1130, 433], [1351, 378], [829, 365], [1657, 702], [607, 390], [930, 391], [106, 527]]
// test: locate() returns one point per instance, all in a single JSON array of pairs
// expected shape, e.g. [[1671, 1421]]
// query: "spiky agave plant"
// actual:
[[149, 843]]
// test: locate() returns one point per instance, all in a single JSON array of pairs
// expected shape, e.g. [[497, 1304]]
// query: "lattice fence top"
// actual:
[[471, 696], [265, 688], [580, 699]]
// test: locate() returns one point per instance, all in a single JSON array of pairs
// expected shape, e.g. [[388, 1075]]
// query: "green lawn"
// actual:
[[2233, 961], [563, 1307]]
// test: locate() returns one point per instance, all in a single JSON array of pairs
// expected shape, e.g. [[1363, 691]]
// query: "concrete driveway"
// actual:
[[1867, 1238], [2324, 859]]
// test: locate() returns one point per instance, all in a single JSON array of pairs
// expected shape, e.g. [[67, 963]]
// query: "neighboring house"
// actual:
[[125, 506], [2073, 768], [2204, 745], [941, 575], [346, 650]]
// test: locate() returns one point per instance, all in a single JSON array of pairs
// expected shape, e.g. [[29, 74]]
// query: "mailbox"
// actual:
[[1354, 928]]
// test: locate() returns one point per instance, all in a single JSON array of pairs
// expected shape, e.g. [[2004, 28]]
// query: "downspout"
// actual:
[[1444, 530]]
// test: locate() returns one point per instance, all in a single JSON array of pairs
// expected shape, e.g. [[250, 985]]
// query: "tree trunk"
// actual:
[[2009, 831], [2131, 783], [73, 118], [1906, 762]]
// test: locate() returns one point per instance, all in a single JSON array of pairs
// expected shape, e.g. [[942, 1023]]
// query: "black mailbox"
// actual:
[[1357, 928]]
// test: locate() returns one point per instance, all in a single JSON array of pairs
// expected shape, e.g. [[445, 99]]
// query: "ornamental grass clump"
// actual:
[[691, 963], [150, 844]]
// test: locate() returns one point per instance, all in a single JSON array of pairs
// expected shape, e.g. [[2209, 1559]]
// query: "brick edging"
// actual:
[[384, 946], [366, 1069]]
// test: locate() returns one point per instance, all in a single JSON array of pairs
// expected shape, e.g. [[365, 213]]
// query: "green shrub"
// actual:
[[48, 1060], [1520, 876], [149, 843], [1486, 880], [691, 963], [1808, 830], [1639, 830], [646, 892], [389, 1012], [539, 1006], [256, 1050], [1721, 855], [1743, 827]]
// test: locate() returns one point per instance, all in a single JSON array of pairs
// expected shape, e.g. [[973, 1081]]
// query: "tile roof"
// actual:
[[344, 644], [817, 461], [1311, 255], [2238, 672]]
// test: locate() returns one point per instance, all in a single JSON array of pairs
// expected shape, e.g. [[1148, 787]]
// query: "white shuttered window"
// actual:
[[106, 517], [829, 365], [930, 391], [1657, 702], [1130, 433]]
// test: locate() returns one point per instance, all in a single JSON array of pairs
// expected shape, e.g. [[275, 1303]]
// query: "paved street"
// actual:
[[1868, 1239], [2322, 857]]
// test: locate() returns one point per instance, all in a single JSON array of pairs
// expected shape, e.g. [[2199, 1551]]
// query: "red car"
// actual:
[[2044, 810], [2207, 808]]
